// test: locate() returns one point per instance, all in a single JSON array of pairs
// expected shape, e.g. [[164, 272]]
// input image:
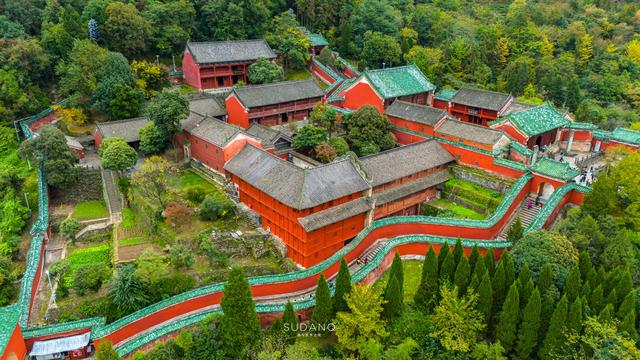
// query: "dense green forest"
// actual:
[[583, 56]]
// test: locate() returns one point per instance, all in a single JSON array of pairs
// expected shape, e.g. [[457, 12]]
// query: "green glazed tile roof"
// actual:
[[556, 169], [601, 134], [510, 164], [626, 136], [64, 327], [9, 315], [399, 81], [537, 120], [317, 40], [445, 94], [329, 72], [516, 146], [580, 126]]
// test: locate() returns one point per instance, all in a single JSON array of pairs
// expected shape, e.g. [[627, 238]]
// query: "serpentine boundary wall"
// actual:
[[408, 235]]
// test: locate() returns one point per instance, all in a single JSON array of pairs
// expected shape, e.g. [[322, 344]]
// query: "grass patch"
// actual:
[[188, 179], [412, 274], [298, 75], [459, 211], [100, 254], [129, 219], [88, 210], [132, 241]]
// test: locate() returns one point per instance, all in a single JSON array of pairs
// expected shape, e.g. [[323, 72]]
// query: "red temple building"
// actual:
[[273, 104], [478, 106], [414, 117], [380, 88], [536, 126], [217, 64], [316, 210], [474, 135]]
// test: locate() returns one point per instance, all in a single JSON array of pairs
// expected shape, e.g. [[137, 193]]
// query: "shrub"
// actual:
[[213, 209], [539, 248], [325, 153], [177, 214], [90, 277], [195, 194], [181, 256], [339, 144], [69, 228]]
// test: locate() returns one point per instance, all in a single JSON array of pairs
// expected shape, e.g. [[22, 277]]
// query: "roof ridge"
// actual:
[[226, 41], [470, 124], [397, 148], [122, 120], [390, 68], [275, 83], [485, 90], [424, 106]]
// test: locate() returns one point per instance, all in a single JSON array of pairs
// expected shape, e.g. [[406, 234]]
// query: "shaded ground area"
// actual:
[[87, 187]]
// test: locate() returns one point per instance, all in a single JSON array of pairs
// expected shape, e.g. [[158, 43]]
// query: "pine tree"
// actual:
[[585, 49], [525, 274], [515, 231], [427, 290], [528, 332], [584, 262], [474, 283], [240, 326], [628, 306], [502, 50], [485, 298], [606, 315], [289, 323], [624, 286], [509, 270], [490, 261], [628, 326], [447, 269], [322, 312], [498, 287], [343, 288], [473, 258], [585, 292], [601, 275], [508, 319], [546, 279], [612, 298], [574, 317], [444, 253], [555, 336], [592, 277], [545, 315], [525, 292], [458, 252], [572, 284], [479, 269], [461, 276], [597, 299], [397, 271], [393, 306]]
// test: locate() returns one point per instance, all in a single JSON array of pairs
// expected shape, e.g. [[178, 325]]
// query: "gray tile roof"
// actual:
[[334, 214], [264, 133], [215, 131], [467, 131], [276, 93], [209, 106], [419, 113], [296, 187], [128, 129], [484, 99], [229, 51], [405, 160], [412, 187], [191, 121]]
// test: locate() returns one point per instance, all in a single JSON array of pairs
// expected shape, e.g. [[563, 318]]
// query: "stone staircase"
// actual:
[[526, 217], [114, 200]]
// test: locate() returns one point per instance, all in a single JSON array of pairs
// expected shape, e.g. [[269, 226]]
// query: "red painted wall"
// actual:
[[191, 71], [406, 138], [51, 118], [321, 74], [509, 129], [439, 104], [236, 112], [362, 94], [412, 125], [16, 346]]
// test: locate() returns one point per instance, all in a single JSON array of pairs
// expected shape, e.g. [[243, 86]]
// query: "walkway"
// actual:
[[112, 195], [526, 217]]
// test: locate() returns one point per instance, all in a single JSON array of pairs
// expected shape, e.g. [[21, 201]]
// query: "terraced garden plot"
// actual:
[[88, 210], [100, 254]]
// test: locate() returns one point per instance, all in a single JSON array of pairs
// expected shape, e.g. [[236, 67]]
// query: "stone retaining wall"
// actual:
[[495, 184]]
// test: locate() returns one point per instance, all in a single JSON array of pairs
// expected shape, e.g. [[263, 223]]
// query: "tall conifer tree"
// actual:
[[485, 298], [628, 306], [498, 287], [628, 326], [624, 286], [398, 271], [240, 326], [572, 284], [343, 288], [490, 261], [584, 262], [574, 317], [546, 279], [394, 305], [597, 299], [545, 316], [427, 290], [508, 319], [606, 315], [473, 258], [458, 252], [289, 323], [444, 252], [461, 276], [528, 332], [555, 336], [322, 312], [447, 269], [509, 270]]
